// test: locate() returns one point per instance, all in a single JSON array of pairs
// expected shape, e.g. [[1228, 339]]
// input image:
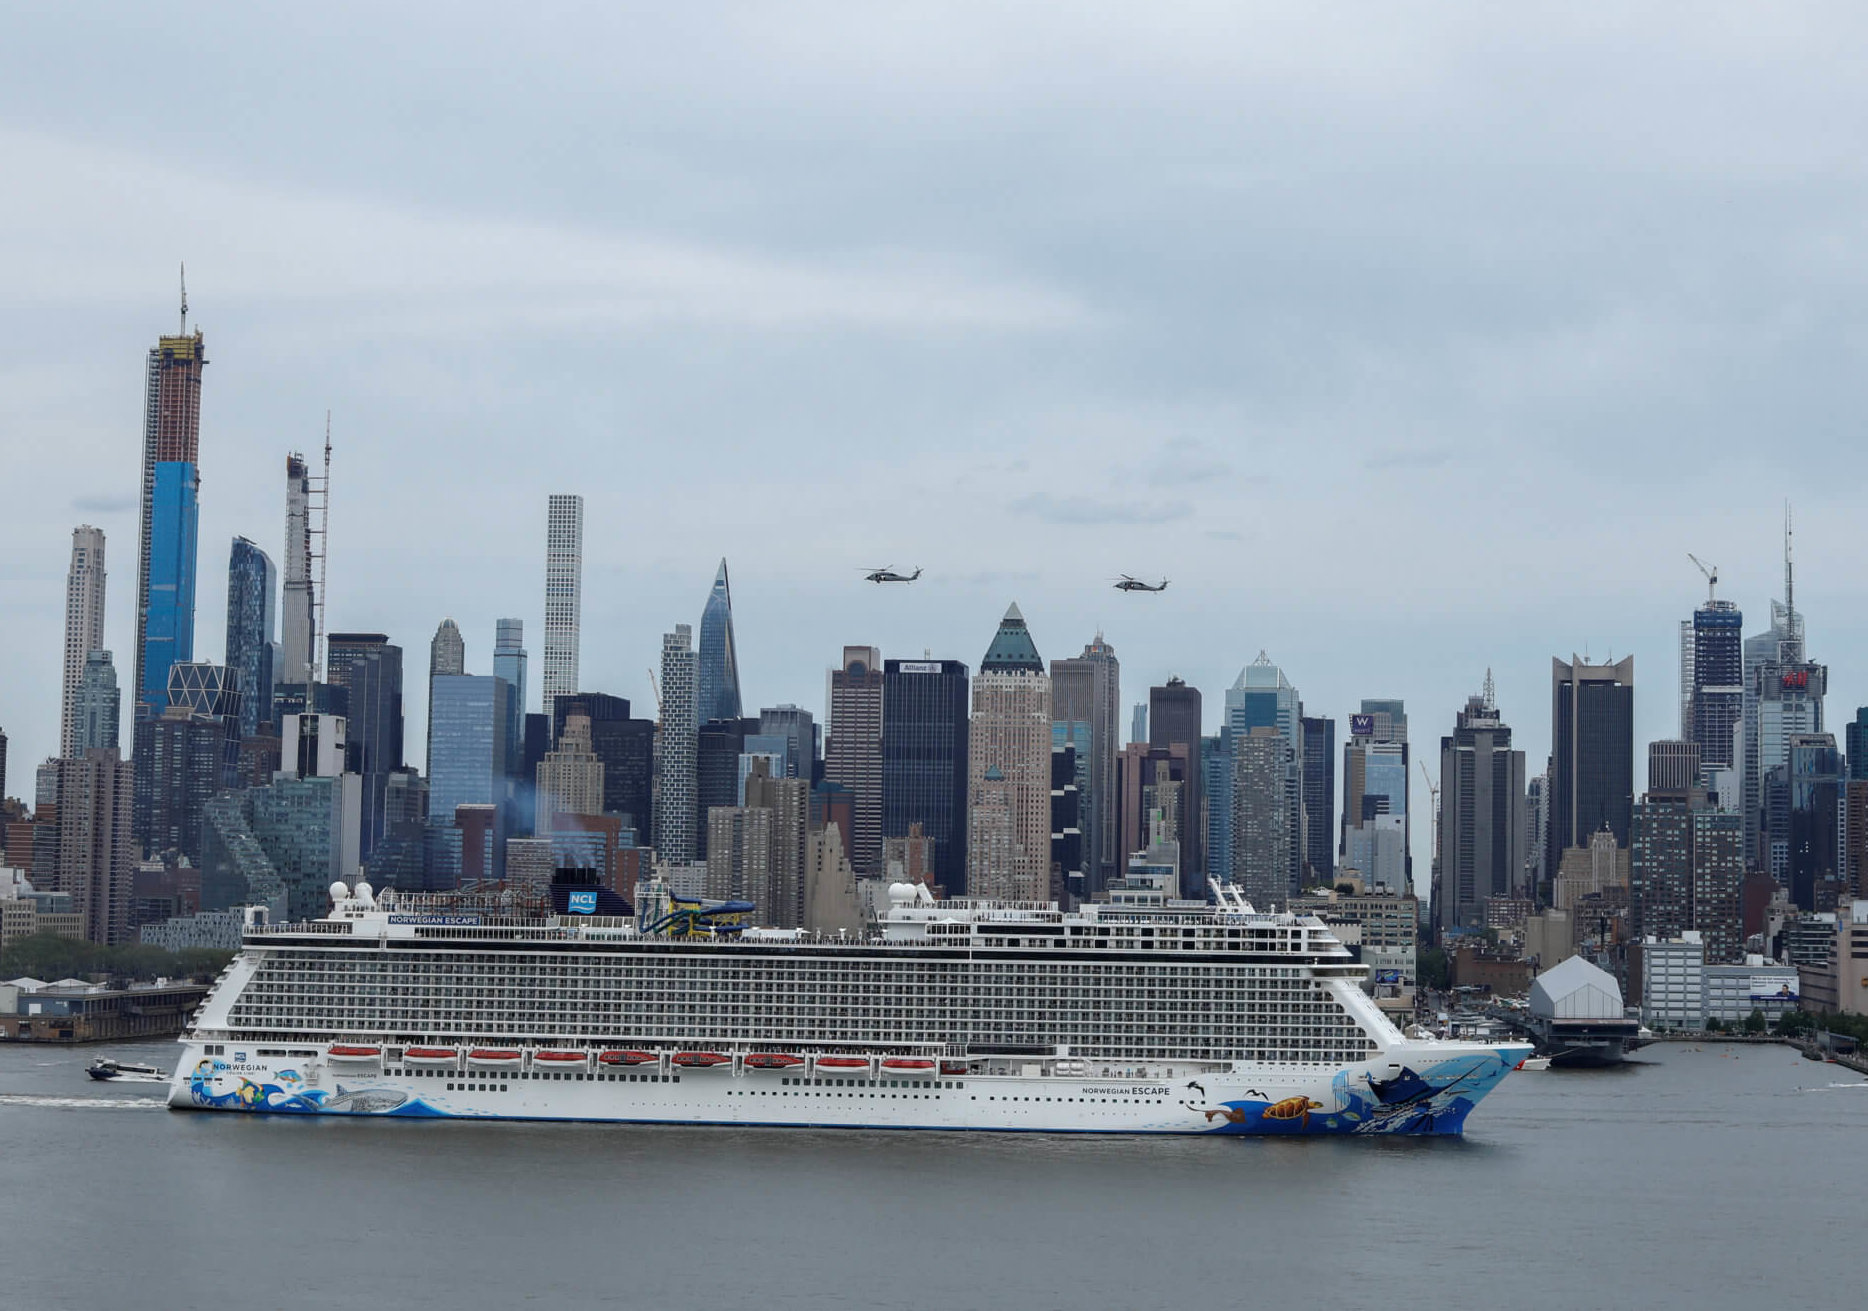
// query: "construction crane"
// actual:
[[1712, 575], [656, 688], [1433, 799]]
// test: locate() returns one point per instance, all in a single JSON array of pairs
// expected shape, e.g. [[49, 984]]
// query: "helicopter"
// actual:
[[1129, 584], [888, 575]]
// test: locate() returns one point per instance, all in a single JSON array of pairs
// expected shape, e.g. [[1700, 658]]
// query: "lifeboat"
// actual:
[[906, 1065], [429, 1055], [493, 1057], [773, 1061], [844, 1064], [701, 1060], [339, 1052], [557, 1060], [953, 1067], [627, 1058]]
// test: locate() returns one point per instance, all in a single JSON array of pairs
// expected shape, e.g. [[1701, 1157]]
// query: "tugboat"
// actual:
[[123, 1072]]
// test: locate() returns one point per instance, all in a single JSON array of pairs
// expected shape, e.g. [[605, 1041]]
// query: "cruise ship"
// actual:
[[1131, 1016]]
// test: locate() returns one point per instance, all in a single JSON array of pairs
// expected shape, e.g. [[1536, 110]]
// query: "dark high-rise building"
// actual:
[[1592, 753], [1174, 719], [1482, 816], [1319, 766], [716, 768], [1712, 703], [853, 750], [165, 562], [468, 760], [1855, 742], [627, 749], [252, 616], [369, 669], [1086, 704], [1686, 864], [1673, 766], [1815, 828], [799, 728], [1066, 825], [925, 733], [184, 755], [718, 671]]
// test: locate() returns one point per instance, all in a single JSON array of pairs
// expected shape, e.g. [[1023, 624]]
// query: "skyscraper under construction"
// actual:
[[165, 561]]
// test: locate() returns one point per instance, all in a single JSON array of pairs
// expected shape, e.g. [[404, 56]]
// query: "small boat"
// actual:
[[953, 1067], [123, 1072], [340, 1052], [906, 1065], [493, 1057], [1533, 1063], [843, 1064], [773, 1061], [627, 1058], [701, 1060], [429, 1055], [557, 1060]]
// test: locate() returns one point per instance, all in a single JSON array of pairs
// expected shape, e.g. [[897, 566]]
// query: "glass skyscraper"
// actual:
[[718, 672], [168, 635], [925, 734], [252, 609], [467, 752]]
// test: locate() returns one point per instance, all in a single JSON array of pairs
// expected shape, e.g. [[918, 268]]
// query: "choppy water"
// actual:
[[1722, 1177]]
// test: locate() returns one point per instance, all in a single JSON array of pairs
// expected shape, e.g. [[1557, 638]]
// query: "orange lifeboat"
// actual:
[[906, 1065], [773, 1061], [339, 1052], [627, 1058], [953, 1067], [701, 1060], [844, 1064], [499, 1058], [429, 1055], [558, 1060]]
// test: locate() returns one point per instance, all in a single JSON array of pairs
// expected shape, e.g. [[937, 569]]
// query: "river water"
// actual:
[[1710, 1177]]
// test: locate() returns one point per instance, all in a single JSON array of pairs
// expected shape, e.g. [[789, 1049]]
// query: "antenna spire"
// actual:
[[1491, 698], [1790, 571], [184, 298]]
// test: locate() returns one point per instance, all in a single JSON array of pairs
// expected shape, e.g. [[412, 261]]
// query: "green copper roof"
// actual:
[[1012, 650]]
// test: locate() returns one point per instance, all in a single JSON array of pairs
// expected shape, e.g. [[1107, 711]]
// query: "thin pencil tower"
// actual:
[[320, 500]]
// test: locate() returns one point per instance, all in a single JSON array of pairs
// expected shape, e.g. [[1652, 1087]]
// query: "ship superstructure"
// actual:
[[1150, 1016]]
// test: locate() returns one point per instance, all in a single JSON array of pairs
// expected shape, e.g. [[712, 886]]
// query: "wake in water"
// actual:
[[85, 1103], [1827, 1086]]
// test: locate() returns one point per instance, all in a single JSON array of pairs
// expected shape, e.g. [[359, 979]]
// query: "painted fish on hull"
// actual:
[[215, 1085], [1434, 1100]]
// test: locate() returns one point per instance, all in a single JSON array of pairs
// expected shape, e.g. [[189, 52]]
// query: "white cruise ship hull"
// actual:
[[1415, 1088]]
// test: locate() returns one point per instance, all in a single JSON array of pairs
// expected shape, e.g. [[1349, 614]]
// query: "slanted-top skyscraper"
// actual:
[[165, 562], [84, 627], [564, 587], [1009, 770], [719, 660]]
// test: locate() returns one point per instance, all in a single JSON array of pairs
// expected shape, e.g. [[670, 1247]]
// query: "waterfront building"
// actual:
[[676, 791], [1482, 815], [570, 778], [718, 671], [1174, 719], [298, 635], [84, 628], [1672, 973], [564, 587], [925, 748], [99, 708], [1086, 700], [1261, 830], [853, 751], [96, 861], [1592, 753], [1009, 769], [1318, 735], [252, 604], [1829, 967], [1262, 697], [165, 564]]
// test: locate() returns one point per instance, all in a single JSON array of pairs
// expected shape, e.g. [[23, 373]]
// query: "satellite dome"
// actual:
[[338, 891]]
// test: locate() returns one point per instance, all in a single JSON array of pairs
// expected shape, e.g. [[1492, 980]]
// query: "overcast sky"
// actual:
[[1407, 340]]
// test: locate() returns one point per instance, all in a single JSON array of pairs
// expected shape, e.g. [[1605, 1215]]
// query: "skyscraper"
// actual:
[[1686, 862], [1261, 827], [447, 654], [509, 663], [1783, 696], [789, 801], [1009, 770], [925, 731], [564, 588], [719, 660], [676, 793], [369, 669], [1482, 815], [1087, 690], [165, 579], [799, 729], [1713, 700], [96, 852], [1174, 719], [1377, 830], [1319, 769], [100, 706], [570, 778], [1813, 868], [252, 590], [468, 757], [1591, 755], [1262, 697], [626, 748], [84, 626], [297, 636], [853, 751]]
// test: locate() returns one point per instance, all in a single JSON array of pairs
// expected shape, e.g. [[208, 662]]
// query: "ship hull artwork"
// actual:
[[1183, 1017]]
